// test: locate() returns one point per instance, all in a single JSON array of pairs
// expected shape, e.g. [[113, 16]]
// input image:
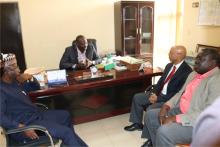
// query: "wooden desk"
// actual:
[[96, 99]]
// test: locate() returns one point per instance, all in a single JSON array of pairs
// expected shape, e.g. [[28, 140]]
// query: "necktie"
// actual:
[[168, 78], [170, 75]]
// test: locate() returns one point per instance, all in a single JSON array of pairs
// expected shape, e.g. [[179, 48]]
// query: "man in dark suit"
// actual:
[[170, 83], [17, 110], [80, 55]]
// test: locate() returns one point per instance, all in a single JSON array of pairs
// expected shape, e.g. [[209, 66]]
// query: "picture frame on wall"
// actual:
[[200, 47]]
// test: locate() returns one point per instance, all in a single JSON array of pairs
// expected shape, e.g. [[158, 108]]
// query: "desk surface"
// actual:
[[73, 85]]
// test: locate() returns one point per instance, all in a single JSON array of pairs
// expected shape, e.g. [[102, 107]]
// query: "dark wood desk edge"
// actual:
[[71, 88]]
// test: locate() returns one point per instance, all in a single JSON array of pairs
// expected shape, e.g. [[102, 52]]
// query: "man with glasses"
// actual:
[[17, 110]]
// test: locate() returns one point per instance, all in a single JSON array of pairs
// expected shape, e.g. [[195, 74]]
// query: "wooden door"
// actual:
[[10, 32]]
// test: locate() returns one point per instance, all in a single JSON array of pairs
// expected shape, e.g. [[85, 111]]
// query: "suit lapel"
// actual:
[[74, 54], [178, 72], [167, 71]]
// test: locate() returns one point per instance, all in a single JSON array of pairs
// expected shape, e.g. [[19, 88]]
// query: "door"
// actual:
[[10, 32]]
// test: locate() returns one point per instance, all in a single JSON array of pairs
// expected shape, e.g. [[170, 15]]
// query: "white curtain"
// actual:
[[165, 30]]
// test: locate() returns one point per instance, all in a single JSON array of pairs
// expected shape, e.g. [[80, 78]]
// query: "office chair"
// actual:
[[45, 138], [90, 41]]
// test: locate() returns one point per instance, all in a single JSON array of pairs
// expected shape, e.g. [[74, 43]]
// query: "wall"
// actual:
[[193, 33], [48, 26]]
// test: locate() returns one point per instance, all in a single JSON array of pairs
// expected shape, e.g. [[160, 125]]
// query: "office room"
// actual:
[[100, 106]]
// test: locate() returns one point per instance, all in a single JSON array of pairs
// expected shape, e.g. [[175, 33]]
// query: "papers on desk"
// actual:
[[131, 60], [34, 70]]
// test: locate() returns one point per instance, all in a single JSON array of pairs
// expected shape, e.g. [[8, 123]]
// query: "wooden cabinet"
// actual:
[[134, 21]]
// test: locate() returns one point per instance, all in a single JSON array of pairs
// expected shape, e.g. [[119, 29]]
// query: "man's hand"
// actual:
[[163, 113], [24, 77], [153, 98], [30, 133], [88, 63], [169, 119], [80, 66]]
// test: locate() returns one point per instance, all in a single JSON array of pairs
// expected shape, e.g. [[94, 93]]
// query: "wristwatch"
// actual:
[[74, 66]]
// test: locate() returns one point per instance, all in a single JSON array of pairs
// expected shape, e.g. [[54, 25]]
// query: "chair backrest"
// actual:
[[93, 42], [90, 41]]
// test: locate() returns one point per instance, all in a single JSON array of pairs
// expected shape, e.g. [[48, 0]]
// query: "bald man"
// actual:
[[173, 78]]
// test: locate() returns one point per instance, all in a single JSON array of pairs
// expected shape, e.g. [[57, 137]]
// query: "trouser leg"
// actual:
[[140, 100], [172, 134], [58, 123], [151, 124], [66, 134], [145, 132], [59, 116]]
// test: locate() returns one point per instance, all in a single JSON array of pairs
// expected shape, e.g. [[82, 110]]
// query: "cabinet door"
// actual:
[[145, 29], [130, 23]]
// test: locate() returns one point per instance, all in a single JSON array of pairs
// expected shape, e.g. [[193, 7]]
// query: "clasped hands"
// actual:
[[21, 78], [84, 64], [153, 98], [163, 117]]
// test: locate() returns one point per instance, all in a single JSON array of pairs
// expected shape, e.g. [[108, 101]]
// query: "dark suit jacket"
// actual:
[[175, 83], [70, 56], [15, 106]]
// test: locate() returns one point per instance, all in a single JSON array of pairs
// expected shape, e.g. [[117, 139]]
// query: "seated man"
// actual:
[[173, 123], [18, 111], [208, 122], [170, 83], [80, 55]]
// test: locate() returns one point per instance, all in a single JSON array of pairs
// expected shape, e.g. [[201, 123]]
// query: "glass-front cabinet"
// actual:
[[134, 28]]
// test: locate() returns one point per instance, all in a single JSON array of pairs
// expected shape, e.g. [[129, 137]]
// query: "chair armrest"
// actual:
[[149, 88], [41, 106], [31, 127], [26, 128]]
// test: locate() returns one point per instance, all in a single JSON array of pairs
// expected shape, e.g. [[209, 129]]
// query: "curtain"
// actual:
[[167, 30]]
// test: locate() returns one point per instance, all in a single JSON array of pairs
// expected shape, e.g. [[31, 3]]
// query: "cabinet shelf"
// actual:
[[129, 19], [134, 27], [129, 38]]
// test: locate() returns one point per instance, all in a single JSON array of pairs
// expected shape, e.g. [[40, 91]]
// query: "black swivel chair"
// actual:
[[90, 41], [93, 42]]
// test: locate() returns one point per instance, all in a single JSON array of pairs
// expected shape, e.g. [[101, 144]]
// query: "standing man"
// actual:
[[173, 123], [17, 111], [80, 55], [169, 84]]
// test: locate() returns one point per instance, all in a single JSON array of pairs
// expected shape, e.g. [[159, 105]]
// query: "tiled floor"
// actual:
[[109, 132]]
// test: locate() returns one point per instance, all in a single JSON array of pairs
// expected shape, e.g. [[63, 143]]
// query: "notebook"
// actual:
[[56, 77]]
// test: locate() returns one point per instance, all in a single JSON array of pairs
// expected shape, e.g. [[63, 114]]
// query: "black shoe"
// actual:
[[134, 127], [148, 143]]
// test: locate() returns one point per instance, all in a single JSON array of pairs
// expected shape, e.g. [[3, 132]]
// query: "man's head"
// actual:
[[9, 67], [207, 60], [81, 42], [177, 54]]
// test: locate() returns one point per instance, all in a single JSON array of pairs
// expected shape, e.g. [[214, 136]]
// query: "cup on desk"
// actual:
[[94, 71]]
